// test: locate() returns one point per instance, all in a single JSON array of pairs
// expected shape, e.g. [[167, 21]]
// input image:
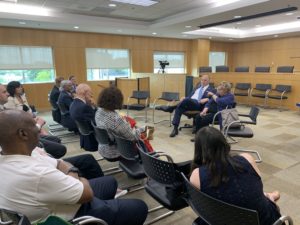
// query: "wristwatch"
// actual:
[[73, 169]]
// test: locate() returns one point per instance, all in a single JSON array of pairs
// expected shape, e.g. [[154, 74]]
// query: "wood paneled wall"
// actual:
[[69, 53]]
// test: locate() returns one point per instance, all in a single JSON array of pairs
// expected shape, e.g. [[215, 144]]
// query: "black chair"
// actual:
[[130, 161], [102, 137], [205, 69], [222, 69], [262, 69], [261, 91], [216, 212], [8, 217], [87, 138], [164, 182], [279, 93], [285, 69], [139, 96], [252, 116], [171, 98], [243, 90], [242, 69]]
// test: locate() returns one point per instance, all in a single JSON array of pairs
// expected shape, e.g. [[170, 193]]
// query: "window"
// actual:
[[217, 59], [107, 64], [26, 64], [175, 59]]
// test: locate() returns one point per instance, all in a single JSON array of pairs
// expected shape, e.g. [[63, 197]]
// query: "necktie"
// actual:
[[200, 93]]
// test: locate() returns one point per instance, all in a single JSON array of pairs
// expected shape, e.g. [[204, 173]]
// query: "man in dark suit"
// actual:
[[53, 98], [64, 102], [195, 101], [82, 110]]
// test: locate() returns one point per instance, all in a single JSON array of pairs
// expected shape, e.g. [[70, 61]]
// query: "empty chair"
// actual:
[[262, 69], [164, 182], [242, 89], [242, 69], [261, 91], [139, 95], [285, 69], [205, 69], [279, 93], [252, 116], [217, 212], [222, 69], [170, 98]]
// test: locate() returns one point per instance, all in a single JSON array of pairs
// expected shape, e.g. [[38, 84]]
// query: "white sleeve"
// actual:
[[58, 188], [40, 155]]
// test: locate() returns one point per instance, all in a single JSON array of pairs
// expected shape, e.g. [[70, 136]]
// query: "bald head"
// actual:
[[3, 95], [84, 91], [18, 133]]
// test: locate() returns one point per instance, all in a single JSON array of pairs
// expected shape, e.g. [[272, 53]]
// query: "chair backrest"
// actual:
[[263, 87], [216, 212], [242, 69], [205, 69], [8, 217], [254, 113], [285, 69], [282, 88], [222, 69], [262, 69], [161, 171], [101, 135], [140, 94], [170, 96], [243, 86], [126, 148], [84, 127]]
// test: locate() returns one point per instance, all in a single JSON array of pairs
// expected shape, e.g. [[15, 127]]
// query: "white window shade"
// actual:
[[107, 58], [22, 57], [175, 59]]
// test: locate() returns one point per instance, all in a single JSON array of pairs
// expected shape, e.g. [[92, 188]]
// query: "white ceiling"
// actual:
[[167, 18]]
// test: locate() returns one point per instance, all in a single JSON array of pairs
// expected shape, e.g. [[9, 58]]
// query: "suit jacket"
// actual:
[[84, 113], [208, 89], [64, 102], [54, 94]]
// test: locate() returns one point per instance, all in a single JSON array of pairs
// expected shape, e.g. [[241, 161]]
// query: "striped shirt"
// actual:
[[115, 125]]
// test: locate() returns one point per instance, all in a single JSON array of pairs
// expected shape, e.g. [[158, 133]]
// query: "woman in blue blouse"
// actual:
[[232, 179]]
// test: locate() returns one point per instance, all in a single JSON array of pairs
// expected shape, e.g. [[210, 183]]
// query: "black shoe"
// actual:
[[193, 140], [174, 132]]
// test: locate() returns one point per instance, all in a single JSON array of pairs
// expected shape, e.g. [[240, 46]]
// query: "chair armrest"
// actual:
[[284, 219], [247, 122], [245, 115]]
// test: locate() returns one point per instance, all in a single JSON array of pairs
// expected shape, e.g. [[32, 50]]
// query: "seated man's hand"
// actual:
[[181, 99], [210, 93], [203, 101], [40, 121], [204, 112]]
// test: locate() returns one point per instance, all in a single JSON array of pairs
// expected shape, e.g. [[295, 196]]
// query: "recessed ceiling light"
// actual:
[[22, 22], [76, 27], [289, 14], [230, 39], [239, 23], [210, 38], [237, 17], [154, 33], [112, 5], [258, 25], [137, 2], [276, 35], [119, 30], [188, 26], [184, 35]]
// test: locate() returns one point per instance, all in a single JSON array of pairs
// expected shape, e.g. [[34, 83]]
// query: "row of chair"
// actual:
[[243, 69], [264, 91]]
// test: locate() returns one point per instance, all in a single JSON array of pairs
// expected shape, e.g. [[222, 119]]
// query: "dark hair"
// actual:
[[212, 150], [110, 98], [71, 76], [12, 86]]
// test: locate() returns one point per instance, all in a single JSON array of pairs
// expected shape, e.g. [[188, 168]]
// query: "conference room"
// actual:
[[164, 69]]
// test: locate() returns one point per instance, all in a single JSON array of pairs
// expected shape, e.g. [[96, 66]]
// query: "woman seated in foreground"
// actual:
[[232, 179], [109, 100]]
